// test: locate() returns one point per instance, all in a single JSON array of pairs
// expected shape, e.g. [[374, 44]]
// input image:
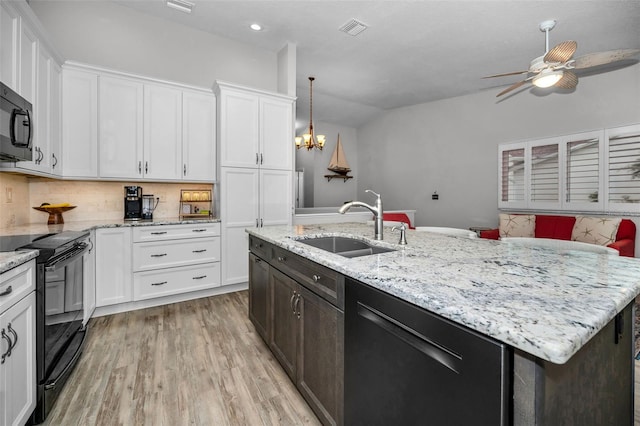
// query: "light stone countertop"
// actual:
[[543, 301], [9, 260]]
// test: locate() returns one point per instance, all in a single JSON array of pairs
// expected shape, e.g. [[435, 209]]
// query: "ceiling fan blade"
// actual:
[[506, 74], [512, 87], [569, 80], [602, 58], [562, 52]]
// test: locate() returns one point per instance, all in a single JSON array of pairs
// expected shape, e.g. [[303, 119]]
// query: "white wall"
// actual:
[[319, 192], [450, 146], [114, 36]]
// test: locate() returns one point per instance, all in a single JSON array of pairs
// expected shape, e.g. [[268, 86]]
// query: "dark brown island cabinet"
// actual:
[[360, 356], [297, 307]]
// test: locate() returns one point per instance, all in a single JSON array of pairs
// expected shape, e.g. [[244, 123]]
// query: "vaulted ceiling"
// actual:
[[412, 51]]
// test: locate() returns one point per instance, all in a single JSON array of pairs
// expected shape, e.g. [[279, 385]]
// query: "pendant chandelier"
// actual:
[[309, 140]]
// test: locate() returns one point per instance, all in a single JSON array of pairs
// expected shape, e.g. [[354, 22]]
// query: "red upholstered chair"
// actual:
[[398, 217]]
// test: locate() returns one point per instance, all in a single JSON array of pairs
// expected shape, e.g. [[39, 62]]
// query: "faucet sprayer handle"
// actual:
[[376, 194], [402, 228]]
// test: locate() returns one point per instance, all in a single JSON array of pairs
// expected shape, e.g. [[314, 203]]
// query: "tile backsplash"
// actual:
[[94, 200]]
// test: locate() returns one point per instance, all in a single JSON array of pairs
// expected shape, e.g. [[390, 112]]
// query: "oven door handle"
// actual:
[[67, 258]]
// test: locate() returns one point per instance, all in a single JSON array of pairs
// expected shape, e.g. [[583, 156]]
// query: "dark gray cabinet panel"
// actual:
[[259, 296]]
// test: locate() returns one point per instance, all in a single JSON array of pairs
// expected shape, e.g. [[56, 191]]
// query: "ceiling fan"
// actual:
[[554, 68]]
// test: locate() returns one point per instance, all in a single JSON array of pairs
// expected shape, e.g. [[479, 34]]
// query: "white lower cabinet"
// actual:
[[17, 344], [113, 266], [175, 260]]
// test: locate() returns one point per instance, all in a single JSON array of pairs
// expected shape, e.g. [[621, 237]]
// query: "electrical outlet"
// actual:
[[8, 195]]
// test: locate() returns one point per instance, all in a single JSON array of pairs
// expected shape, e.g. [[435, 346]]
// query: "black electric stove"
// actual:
[[60, 333]]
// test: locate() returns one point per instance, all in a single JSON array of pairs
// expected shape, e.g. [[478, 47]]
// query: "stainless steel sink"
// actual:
[[345, 246]]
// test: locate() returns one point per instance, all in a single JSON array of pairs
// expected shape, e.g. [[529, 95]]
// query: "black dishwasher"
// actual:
[[405, 365]]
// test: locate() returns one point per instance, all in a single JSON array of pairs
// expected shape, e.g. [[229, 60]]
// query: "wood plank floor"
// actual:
[[192, 363]]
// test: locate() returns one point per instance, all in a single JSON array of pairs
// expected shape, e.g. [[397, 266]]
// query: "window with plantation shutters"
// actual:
[[545, 174], [583, 177], [623, 175], [512, 176]]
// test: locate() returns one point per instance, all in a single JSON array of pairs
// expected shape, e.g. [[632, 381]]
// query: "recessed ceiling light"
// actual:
[[181, 5], [256, 27]]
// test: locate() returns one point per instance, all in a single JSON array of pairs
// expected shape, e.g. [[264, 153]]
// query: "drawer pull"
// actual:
[[159, 233], [281, 259], [199, 277], [15, 337], [198, 230], [259, 245], [159, 255], [293, 296], [316, 278], [160, 283], [199, 251], [8, 352], [7, 291]]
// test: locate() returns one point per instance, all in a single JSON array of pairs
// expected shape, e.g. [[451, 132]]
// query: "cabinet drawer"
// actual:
[[17, 283], [167, 254], [260, 248], [172, 232], [147, 285], [324, 282]]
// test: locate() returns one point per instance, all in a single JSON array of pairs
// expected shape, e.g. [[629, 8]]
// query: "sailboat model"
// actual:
[[338, 163]]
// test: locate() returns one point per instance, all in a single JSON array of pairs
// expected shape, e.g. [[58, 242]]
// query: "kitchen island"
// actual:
[[554, 309]]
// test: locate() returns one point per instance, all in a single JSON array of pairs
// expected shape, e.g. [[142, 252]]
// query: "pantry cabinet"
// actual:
[[256, 146]]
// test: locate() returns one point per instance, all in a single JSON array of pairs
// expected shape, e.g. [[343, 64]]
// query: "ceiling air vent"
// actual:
[[353, 27]]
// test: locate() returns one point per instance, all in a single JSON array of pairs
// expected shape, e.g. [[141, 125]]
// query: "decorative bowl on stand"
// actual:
[[55, 213]]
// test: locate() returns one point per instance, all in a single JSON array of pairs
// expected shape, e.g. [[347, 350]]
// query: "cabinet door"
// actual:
[[198, 137], [320, 363], [80, 123], [28, 63], [120, 124], [284, 327], [239, 204], [41, 137], [9, 45], [162, 133], [18, 390], [239, 146], [276, 134], [55, 118], [89, 280], [276, 197], [113, 266], [259, 295]]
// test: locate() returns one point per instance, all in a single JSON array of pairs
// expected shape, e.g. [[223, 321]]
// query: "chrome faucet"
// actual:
[[403, 230], [377, 212]]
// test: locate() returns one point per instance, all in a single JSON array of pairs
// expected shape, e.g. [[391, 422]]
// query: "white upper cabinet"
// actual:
[[28, 61], [276, 133], [256, 128], [198, 136], [239, 129], [162, 132], [80, 123], [9, 45], [120, 126]]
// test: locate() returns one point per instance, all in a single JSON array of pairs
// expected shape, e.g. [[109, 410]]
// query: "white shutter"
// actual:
[[583, 177], [623, 173], [512, 176]]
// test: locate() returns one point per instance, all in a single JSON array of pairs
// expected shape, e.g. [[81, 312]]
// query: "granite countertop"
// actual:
[[543, 301], [11, 259]]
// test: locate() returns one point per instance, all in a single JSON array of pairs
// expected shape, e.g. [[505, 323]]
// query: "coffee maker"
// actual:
[[132, 202]]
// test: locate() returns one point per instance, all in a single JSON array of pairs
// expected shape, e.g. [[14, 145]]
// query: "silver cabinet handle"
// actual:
[[257, 158], [146, 167], [316, 278], [198, 251], [295, 305], [158, 255], [184, 170], [199, 277], [261, 158], [198, 230], [7, 291], [281, 259], [159, 233], [293, 309], [55, 161], [257, 222], [139, 167], [8, 352], [15, 337], [160, 283], [261, 223]]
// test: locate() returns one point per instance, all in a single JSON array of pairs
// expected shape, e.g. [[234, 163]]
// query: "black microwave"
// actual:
[[16, 126]]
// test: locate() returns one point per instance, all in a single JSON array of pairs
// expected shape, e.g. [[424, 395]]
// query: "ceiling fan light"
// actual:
[[547, 78]]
